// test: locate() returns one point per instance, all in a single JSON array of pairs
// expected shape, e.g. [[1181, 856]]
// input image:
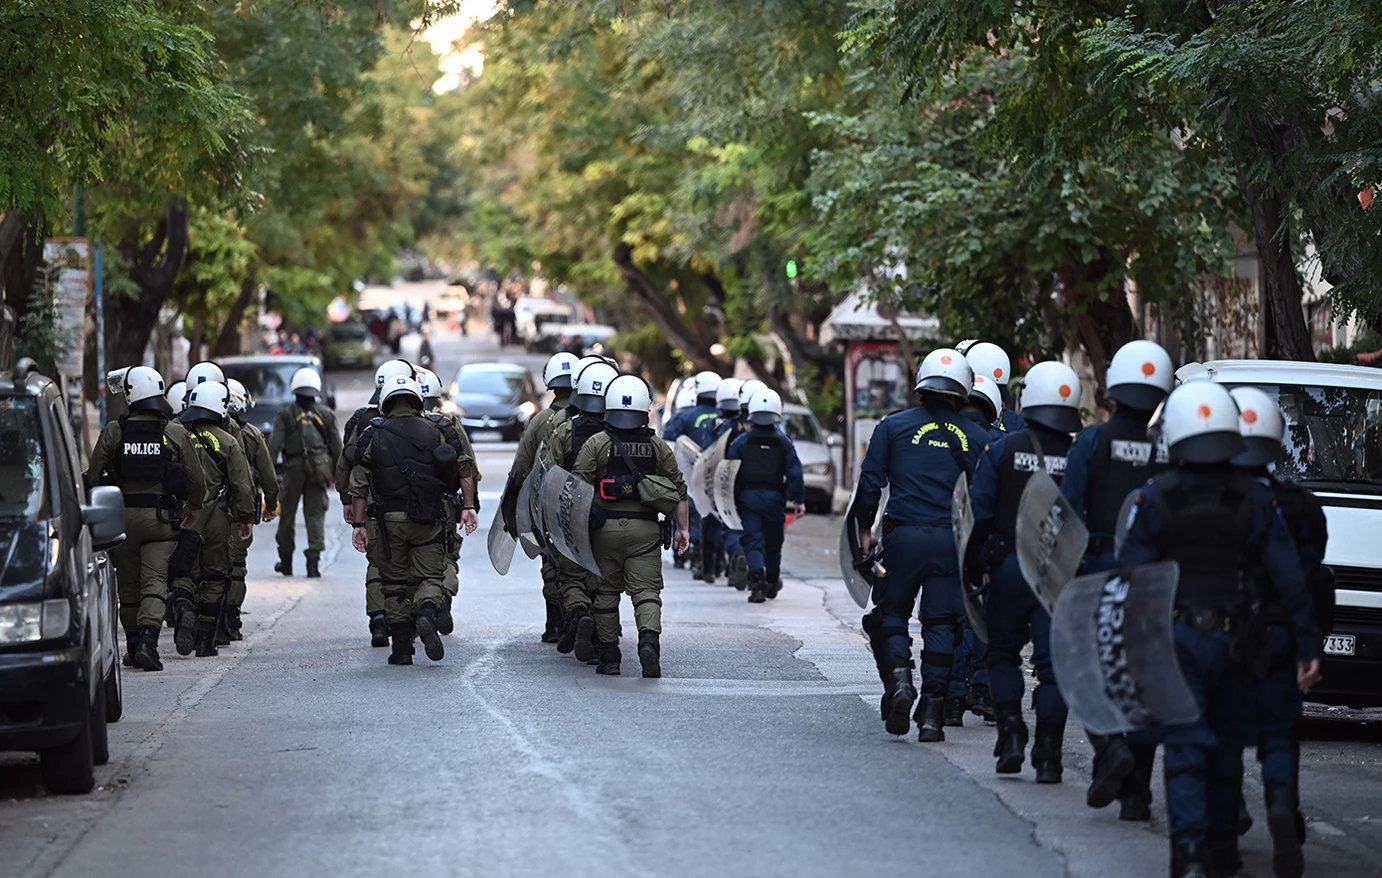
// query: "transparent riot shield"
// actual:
[[702, 484], [725, 509], [685, 452], [499, 543], [566, 511], [1051, 538], [1123, 524], [528, 515], [1114, 653], [855, 569], [962, 524]]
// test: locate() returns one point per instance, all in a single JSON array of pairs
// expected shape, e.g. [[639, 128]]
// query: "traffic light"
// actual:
[[791, 268]]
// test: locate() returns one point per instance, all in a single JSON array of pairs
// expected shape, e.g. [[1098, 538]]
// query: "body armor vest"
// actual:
[[1206, 525], [144, 455], [764, 459], [582, 429], [1019, 462], [638, 445], [403, 462], [358, 421], [1124, 459]]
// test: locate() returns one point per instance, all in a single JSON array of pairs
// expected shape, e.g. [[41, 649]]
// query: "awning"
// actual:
[[856, 319]]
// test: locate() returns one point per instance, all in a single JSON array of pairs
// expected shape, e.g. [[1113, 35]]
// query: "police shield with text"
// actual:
[[698, 423], [734, 421], [769, 475], [1051, 406], [1222, 526], [919, 454]]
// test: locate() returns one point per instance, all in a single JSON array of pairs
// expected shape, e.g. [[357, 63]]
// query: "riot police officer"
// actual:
[[177, 397], [1107, 462], [734, 421], [921, 453], [463, 506], [769, 474], [1223, 528], [150, 458], [559, 374], [577, 630], [265, 483], [636, 479], [698, 424], [990, 361], [1051, 407], [305, 434], [404, 467]]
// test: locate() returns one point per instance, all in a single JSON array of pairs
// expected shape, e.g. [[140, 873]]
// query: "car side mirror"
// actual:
[[105, 517], [834, 440]]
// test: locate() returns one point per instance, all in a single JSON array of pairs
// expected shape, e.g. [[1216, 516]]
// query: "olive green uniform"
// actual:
[[629, 551], [265, 483], [231, 503], [374, 592], [531, 448], [574, 584], [466, 461], [141, 561], [301, 480]]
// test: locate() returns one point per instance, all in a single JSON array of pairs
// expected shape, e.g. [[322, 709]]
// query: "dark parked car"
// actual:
[[59, 647], [268, 379], [494, 400]]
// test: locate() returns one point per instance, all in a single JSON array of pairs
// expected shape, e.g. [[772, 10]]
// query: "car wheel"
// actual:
[[115, 693], [69, 768], [100, 737]]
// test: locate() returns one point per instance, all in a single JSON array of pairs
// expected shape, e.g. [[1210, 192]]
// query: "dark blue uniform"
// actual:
[[920, 458], [736, 427], [1217, 522], [1107, 462], [1010, 421], [769, 476], [700, 424], [971, 666]]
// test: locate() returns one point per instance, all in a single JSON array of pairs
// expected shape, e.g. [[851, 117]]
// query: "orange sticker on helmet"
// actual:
[[1204, 412], [945, 359], [1149, 369], [1065, 391], [998, 373], [1250, 416]]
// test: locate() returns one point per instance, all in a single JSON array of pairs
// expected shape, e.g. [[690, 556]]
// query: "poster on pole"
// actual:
[[67, 278]]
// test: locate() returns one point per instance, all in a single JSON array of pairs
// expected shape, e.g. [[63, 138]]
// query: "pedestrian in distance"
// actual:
[[769, 477]]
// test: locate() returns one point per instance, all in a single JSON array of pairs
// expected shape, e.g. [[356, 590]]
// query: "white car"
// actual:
[[815, 448], [530, 311]]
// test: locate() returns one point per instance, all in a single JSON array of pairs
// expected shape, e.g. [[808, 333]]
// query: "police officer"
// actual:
[[698, 424], [574, 583], [1051, 407], [1223, 528], [1108, 462], [559, 374], [991, 361], [229, 513], [404, 469], [920, 453], [354, 426], [305, 434], [734, 421], [177, 397], [265, 483], [453, 431], [150, 458], [636, 478], [769, 474]]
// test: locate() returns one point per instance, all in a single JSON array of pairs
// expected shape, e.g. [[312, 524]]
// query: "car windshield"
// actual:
[[1333, 434], [802, 428], [348, 332], [21, 459], [265, 381], [490, 382]]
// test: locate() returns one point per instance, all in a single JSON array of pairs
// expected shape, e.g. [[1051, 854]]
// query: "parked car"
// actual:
[[268, 379], [59, 644], [494, 400], [1334, 448], [815, 448], [348, 344], [530, 311]]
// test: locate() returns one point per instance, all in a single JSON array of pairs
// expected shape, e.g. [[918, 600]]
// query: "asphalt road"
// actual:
[[760, 753]]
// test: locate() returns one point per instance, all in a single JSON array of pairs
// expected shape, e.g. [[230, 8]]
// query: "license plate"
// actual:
[[486, 436], [1340, 644]]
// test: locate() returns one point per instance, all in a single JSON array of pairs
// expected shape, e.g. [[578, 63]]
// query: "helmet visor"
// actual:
[[1143, 397], [626, 419], [1217, 447], [1257, 451], [1060, 418], [944, 385]]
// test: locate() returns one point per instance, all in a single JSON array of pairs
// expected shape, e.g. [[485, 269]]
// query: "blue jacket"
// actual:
[[795, 483], [698, 423], [1075, 484], [910, 452], [1010, 422], [991, 429]]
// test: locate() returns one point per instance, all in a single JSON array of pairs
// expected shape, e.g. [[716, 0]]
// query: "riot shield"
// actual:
[[1051, 538], [1123, 523], [528, 515], [725, 509], [686, 452], [702, 484], [500, 544], [566, 511], [1114, 652], [962, 523], [855, 569]]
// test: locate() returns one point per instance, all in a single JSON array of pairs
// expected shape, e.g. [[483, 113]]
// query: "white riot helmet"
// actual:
[[1051, 397], [765, 407], [686, 395], [945, 372], [239, 397], [144, 390], [204, 372], [306, 382], [627, 401], [1200, 423], [1140, 375], [400, 386], [747, 390], [560, 371], [986, 397], [390, 369], [429, 383], [177, 396], [208, 401], [727, 396], [988, 359], [1261, 425], [590, 387], [707, 383]]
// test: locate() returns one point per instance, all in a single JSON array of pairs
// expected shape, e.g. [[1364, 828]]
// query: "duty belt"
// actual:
[[890, 523], [150, 501], [635, 516]]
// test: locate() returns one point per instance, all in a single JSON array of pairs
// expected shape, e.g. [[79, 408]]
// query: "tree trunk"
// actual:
[[21, 256], [130, 320], [655, 304], [228, 341]]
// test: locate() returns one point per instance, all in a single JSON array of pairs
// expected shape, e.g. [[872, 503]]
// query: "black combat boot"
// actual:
[[313, 571], [1011, 747], [981, 703], [131, 644], [146, 653], [585, 641], [758, 589], [650, 654], [285, 564], [234, 624], [425, 623], [446, 623], [1224, 862], [931, 720], [610, 660], [595, 646], [1287, 826], [902, 694], [1046, 752], [708, 564], [1135, 798], [206, 639], [551, 632], [678, 562], [739, 571], [1189, 861], [222, 632], [1113, 762], [567, 641], [954, 713], [402, 636], [774, 586], [378, 630], [185, 626]]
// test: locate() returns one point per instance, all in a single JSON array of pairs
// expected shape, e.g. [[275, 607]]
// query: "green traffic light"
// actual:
[[791, 268]]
